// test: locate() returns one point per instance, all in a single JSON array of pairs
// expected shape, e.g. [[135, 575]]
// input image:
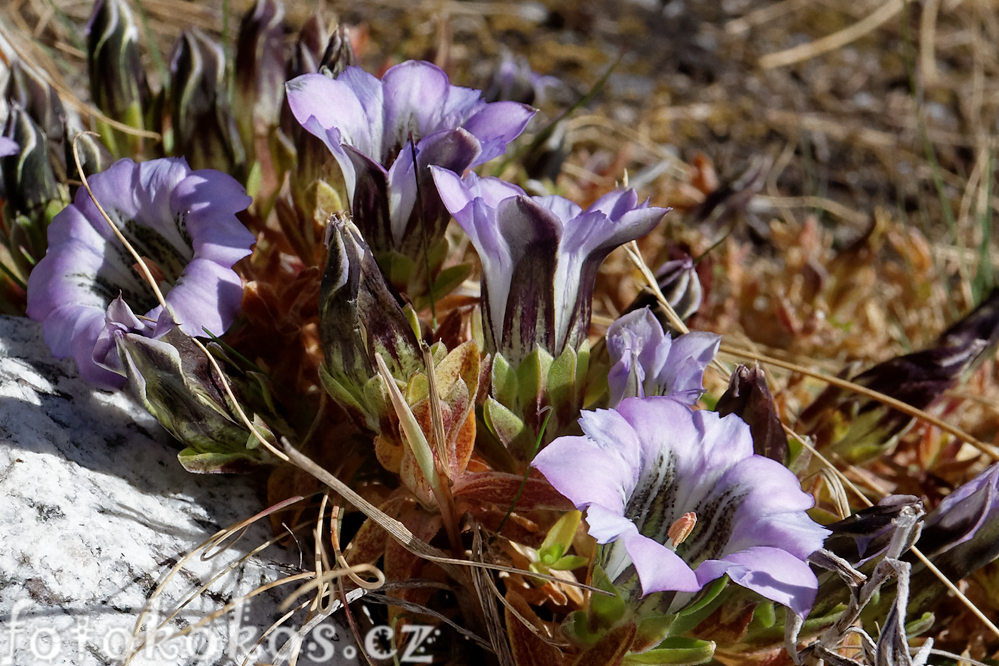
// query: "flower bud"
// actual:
[[260, 69], [118, 84], [175, 381], [749, 398], [41, 102], [680, 285], [339, 54], [32, 190], [359, 317], [204, 129], [861, 429]]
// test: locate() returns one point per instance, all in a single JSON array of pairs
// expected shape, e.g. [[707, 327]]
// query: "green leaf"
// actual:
[[561, 386], [532, 373], [504, 381], [765, 615], [559, 538], [676, 650], [607, 609], [502, 422], [446, 281], [217, 463], [705, 604], [413, 433], [568, 563], [338, 390]]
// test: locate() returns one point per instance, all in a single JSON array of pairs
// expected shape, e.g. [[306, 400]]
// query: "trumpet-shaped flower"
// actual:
[[645, 361], [539, 257], [651, 465], [367, 124], [182, 223]]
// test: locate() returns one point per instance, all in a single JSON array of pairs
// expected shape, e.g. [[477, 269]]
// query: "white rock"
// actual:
[[95, 510]]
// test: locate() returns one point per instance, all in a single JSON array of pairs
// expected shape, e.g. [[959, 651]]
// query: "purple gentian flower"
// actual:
[[514, 80], [182, 223], [645, 361], [641, 468], [367, 124], [539, 257]]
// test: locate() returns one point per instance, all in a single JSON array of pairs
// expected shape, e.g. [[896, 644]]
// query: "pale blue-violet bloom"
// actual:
[[539, 257], [646, 361], [367, 124], [87, 288], [652, 464]]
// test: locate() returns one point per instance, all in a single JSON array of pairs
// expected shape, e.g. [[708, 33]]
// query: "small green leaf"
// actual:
[[607, 609], [532, 374], [504, 381], [559, 538], [502, 422], [561, 385], [217, 463], [413, 433], [765, 615], [568, 563], [676, 650]]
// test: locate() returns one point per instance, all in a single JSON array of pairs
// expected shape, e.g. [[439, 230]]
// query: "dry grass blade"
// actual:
[[485, 591], [834, 41], [320, 582], [205, 548]]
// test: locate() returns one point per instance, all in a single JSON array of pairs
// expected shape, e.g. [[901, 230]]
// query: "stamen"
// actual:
[[681, 529], [154, 269]]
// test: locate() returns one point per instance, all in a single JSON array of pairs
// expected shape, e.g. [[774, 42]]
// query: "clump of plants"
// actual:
[[366, 286]]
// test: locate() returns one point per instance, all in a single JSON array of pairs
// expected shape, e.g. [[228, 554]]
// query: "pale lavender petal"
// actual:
[[461, 103], [207, 202], [682, 375], [564, 209], [793, 531], [452, 150], [587, 240], [8, 146], [69, 329], [457, 192], [118, 320], [771, 572], [637, 347], [207, 296], [344, 110], [152, 187], [586, 473], [616, 203], [607, 524], [51, 289], [659, 568], [496, 125], [413, 91]]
